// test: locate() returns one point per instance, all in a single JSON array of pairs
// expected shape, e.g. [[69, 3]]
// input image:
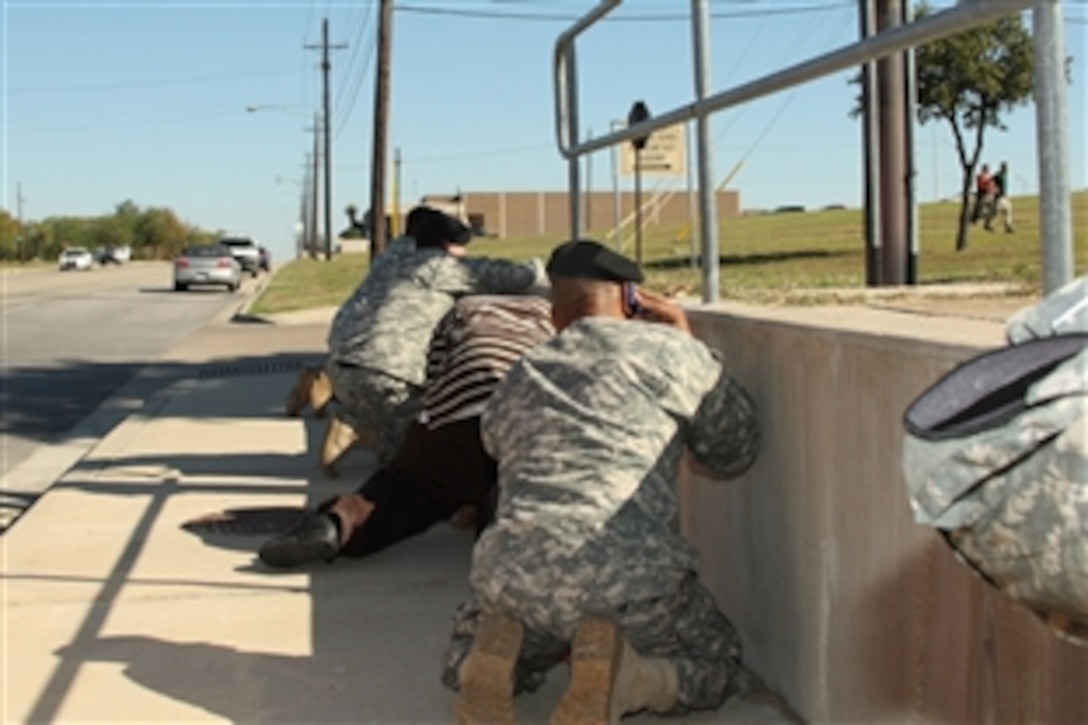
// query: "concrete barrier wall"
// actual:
[[846, 607]]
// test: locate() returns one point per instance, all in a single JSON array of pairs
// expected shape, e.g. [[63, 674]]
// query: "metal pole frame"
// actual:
[[638, 206], [566, 98], [708, 202], [1052, 134], [617, 213], [911, 113], [1055, 216]]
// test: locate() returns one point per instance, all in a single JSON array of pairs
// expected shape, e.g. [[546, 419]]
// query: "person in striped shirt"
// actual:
[[440, 468]]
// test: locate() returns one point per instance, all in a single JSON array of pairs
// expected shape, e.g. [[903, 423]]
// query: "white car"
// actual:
[[75, 258], [245, 250]]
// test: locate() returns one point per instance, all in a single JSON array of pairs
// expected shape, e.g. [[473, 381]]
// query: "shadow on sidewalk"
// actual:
[[379, 627], [42, 402]]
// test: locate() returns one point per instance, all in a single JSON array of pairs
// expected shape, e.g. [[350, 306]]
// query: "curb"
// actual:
[[242, 312], [141, 396]]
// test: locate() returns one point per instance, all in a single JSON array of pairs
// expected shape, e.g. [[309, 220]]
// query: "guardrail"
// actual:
[[1054, 187]]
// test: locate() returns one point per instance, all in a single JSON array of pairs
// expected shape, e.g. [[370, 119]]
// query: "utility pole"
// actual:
[[589, 183], [20, 241], [378, 235], [311, 240], [396, 192], [300, 243], [325, 67], [870, 139], [891, 90]]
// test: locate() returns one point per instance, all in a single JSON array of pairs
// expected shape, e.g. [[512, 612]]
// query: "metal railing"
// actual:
[[1054, 189]]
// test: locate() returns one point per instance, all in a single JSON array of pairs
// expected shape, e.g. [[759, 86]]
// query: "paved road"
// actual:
[[72, 338]]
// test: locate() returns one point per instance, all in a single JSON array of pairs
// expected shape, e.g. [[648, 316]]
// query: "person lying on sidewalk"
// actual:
[[440, 467], [379, 336], [585, 561]]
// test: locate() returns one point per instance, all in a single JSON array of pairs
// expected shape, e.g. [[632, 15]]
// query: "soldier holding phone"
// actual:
[[585, 558]]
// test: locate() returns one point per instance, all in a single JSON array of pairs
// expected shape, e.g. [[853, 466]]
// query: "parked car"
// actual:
[[75, 258], [207, 264], [245, 250]]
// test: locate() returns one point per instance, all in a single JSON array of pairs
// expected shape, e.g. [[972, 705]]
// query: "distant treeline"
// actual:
[[152, 233]]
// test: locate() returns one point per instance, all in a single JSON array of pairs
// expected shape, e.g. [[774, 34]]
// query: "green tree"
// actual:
[[969, 81], [110, 231], [58, 233], [9, 236], [40, 242], [159, 234], [125, 216]]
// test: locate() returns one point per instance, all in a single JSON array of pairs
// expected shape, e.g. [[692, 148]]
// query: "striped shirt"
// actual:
[[473, 347]]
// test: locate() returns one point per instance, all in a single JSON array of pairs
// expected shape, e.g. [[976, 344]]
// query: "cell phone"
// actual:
[[630, 300]]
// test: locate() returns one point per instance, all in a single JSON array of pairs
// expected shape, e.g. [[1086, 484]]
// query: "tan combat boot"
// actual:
[[299, 396], [320, 393], [609, 679], [339, 437], [486, 677], [312, 388]]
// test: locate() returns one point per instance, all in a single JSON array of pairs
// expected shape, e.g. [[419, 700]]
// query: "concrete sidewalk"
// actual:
[[131, 592]]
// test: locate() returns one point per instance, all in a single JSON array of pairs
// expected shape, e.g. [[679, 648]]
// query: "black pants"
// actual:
[[434, 473]]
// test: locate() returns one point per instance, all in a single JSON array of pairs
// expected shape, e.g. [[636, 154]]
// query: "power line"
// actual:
[[356, 73], [360, 79], [647, 17], [480, 154], [793, 50], [781, 109], [156, 83], [122, 122]]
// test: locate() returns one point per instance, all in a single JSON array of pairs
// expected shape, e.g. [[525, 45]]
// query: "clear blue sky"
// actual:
[[107, 100]]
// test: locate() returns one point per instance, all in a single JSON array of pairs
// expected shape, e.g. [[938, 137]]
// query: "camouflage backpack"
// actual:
[[996, 459]]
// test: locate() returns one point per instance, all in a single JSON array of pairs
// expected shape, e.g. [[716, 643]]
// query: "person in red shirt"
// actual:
[[984, 194]]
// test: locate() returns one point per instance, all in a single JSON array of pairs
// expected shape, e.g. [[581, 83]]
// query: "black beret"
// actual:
[[433, 228], [586, 259]]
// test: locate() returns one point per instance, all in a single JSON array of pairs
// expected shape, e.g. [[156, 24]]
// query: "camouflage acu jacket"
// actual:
[[588, 430], [996, 456], [387, 323]]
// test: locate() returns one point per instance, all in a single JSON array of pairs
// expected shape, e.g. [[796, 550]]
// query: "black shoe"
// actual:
[[315, 538]]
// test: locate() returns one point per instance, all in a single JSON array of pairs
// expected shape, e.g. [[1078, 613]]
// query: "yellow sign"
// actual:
[[665, 153]]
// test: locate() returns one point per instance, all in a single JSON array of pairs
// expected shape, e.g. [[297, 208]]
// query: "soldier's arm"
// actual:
[[503, 277], [724, 433]]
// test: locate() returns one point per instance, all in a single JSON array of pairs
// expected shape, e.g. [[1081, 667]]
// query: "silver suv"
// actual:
[[245, 250]]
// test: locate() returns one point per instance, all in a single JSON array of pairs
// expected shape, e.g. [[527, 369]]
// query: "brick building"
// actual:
[[531, 213]]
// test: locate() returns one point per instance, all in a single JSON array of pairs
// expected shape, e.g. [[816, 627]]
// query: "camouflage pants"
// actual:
[[370, 399], [686, 628]]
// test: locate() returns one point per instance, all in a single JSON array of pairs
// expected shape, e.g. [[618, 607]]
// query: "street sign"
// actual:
[[665, 153], [639, 113]]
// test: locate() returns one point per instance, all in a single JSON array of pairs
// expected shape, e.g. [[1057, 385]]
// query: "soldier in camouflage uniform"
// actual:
[[995, 457], [379, 337], [585, 561], [441, 471]]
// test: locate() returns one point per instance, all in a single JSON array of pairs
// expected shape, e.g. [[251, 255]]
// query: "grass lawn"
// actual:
[[306, 283], [775, 258]]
